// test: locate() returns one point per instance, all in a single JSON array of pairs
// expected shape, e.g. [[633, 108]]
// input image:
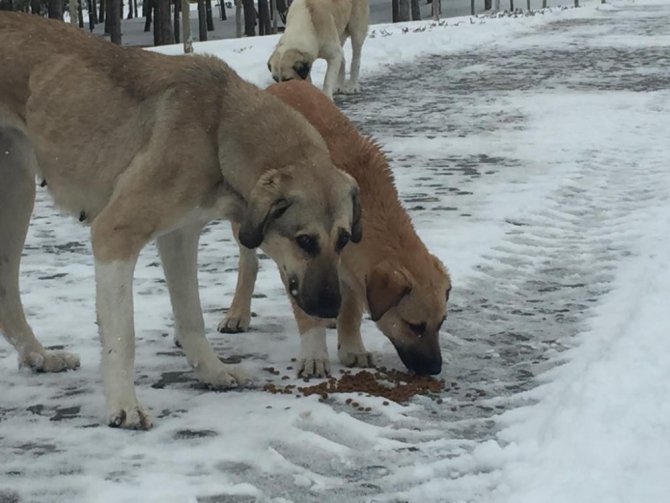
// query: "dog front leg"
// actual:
[[313, 359], [352, 85], [350, 348], [334, 63], [238, 317], [179, 253]]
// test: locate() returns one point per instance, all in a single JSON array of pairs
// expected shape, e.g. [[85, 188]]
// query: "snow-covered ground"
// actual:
[[532, 154]]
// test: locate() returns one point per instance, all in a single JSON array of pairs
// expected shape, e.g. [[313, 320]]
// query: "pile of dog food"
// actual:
[[393, 385]]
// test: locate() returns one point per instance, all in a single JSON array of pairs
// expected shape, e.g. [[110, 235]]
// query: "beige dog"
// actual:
[[318, 29], [403, 286], [144, 146]]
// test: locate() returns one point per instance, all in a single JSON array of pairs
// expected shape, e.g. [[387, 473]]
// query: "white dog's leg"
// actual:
[[238, 317], [179, 253], [352, 85], [334, 63], [313, 359], [341, 76], [114, 302]]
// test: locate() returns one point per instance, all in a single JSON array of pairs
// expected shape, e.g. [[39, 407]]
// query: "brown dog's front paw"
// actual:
[[360, 359], [233, 324]]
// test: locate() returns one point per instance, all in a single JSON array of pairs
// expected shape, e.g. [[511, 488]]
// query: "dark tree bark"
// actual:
[[36, 7], [208, 11], [175, 20], [249, 18], [130, 9], [80, 14], [202, 21], [416, 10], [55, 9], [108, 17], [91, 14], [403, 10], [222, 10], [488, 4], [394, 10], [162, 23], [101, 11], [114, 19], [264, 24], [6, 5], [147, 9]]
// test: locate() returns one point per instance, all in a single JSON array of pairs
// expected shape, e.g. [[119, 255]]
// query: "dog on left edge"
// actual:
[[143, 146]]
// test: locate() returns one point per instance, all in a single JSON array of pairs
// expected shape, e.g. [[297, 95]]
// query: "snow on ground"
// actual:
[[532, 154]]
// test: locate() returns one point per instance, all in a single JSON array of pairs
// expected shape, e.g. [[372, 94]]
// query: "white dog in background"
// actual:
[[318, 29]]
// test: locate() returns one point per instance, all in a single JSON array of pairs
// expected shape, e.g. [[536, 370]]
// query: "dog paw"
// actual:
[[50, 361], [225, 377], [313, 367], [130, 416], [351, 88], [234, 323], [360, 359]]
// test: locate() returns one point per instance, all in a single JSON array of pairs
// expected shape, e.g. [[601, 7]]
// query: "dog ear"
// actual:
[[265, 205], [356, 221], [385, 287], [302, 68]]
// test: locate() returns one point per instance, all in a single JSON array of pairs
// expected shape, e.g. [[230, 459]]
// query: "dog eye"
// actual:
[[308, 243], [417, 328], [342, 241]]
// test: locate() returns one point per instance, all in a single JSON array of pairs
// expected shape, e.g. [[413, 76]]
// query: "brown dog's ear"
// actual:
[[356, 223], [302, 68], [386, 287], [265, 205]]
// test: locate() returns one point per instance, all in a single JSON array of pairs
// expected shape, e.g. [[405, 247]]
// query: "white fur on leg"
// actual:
[[114, 300], [313, 360], [179, 251], [330, 81]]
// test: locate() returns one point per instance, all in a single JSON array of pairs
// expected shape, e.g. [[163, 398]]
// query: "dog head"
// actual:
[[303, 218], [410, 307], [290, 64]]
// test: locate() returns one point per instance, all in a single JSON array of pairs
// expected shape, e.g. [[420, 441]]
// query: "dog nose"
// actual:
[[326, 305], [420, 363]]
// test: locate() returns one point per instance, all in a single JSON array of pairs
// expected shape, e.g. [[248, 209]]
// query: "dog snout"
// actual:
[[275, 78], [422, 357], [320, 293]]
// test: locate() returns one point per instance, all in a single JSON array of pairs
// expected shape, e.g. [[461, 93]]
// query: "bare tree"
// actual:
[[72, 10], [186, 26], [394, 10], [436, 9], [147, 11], [208, 11], [92, 15], [162, 23], [416, 10], [114, 20], [249, 17], [273, 15], [202, 21], [55, 9], [264, 25], [175, 20], [80, 14], [487, 4], [403, 10], [238, 18], [36, 7], [102, 8]]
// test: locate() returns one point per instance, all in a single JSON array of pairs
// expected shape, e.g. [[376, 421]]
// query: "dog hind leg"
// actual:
[[17, 197]]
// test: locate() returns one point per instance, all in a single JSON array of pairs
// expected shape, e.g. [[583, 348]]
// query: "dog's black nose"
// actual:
[[326, 305], [420, 363]]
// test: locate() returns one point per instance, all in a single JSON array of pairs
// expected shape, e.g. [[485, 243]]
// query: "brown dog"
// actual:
[[390, 271], [144, 146]]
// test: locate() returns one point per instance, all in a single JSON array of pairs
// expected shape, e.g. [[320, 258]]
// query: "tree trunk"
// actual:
[[80, 14], [186, 26], [437, 9], [249, 18], [6, 5], [135, 8], [175, 22], [55, 9], [162, 23], [274, 15], [488, 4], [130, 9], [114, 18], [208, 11], [202, 21], [91, 14], [72, 10], [147, 10], [394, 11], [238, 18], [264, 25], [403, 10], [102, 8], [36, 7], [416, 10]]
